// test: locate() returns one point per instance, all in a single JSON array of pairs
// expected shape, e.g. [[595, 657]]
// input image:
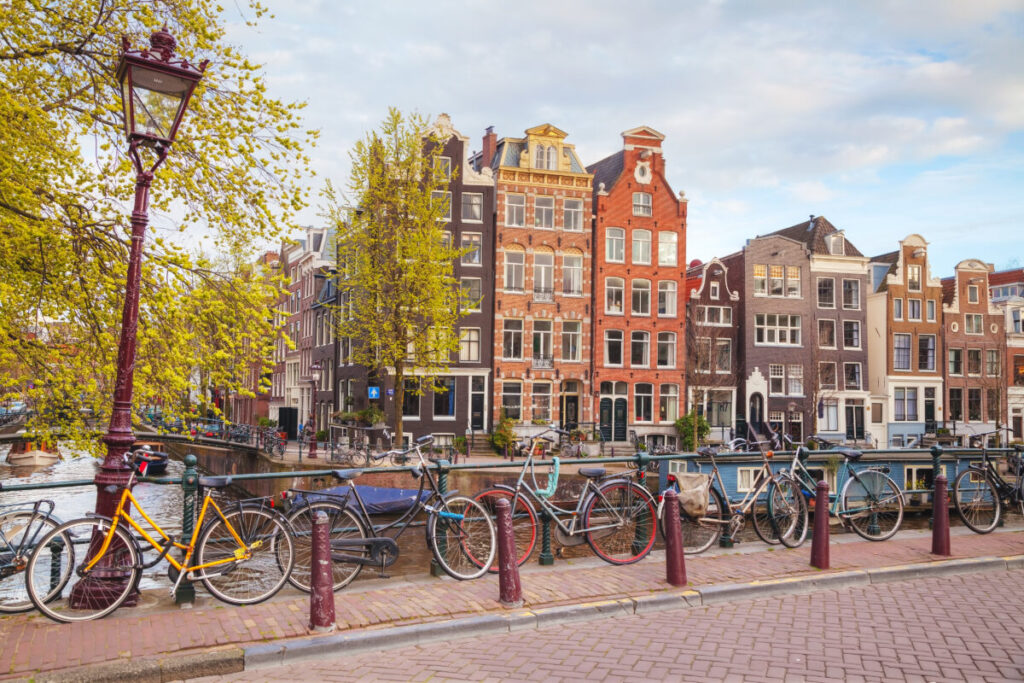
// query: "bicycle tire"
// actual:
[[461, 536], [109, 583], [634, 535], [976, 502], [761, 518], [343, 525], [788, 511], [22, 536], [253, 579], [700, 533], [877, 504], [524, 521]]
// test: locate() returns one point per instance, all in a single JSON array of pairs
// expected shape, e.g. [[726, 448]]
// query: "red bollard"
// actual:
[[819, 542], [675, 565], [510, 590], [321, 595], [940, 518]]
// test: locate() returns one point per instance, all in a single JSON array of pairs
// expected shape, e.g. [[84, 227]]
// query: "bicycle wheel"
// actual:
[[524, 521], [622, 522], [343, 524], [762, 519], [22, 530], [872, 504], [54, 583], [461, 536], [976, 501], [700, 533], [788, 511], [267, 562]]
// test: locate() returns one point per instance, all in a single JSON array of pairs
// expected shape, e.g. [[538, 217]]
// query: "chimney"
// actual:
[[490, 144]]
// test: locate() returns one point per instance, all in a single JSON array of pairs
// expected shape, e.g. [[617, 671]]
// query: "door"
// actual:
[[755, 416], [855, 423], [288, 421], [606, 419], [570, 411], [620, 419], [1018, 426], [476, 412], [929, 410]]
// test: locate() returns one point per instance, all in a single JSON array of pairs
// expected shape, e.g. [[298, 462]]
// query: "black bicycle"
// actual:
[[22, 526], [460, 533], [980, 491]]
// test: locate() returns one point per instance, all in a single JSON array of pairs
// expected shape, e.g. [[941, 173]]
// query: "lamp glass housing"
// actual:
[[154, 99]]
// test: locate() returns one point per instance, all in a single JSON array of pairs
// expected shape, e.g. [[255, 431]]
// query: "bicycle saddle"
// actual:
[[851, 454], [706, 451], [592, 472], [346, 475], [214, 482]]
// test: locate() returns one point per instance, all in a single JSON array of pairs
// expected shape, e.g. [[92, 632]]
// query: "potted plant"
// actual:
[[372, 417], [461, 445], [321, 435]]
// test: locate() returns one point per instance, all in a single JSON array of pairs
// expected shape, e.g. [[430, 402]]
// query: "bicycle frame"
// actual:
[[809, 483], [764, 477], [9, 552], [1013, 493]]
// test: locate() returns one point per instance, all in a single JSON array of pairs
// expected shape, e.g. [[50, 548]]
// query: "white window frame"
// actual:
[[608, 334], [669, 343], [544, 214], [515, 208], [642, 204], [856, 305], [910, 351], [572, 274], [577, 336], [473, 241], [860, 338], [615, 237], [637, 287], [477, 200], [575, 213], [638, 253], [911, 312], [668, 248], [472, 306], [667, 295], [817, 292], [467, 344], [512, 269], [860, 377], [611, 284], [835, 338]]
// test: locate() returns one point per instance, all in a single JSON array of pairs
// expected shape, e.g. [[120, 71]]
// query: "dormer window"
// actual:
[[546, 157], [837, 245], [540, 157], [552, 158]]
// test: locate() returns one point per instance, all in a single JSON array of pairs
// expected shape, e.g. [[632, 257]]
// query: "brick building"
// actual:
[[1007, 292], [639, 314]]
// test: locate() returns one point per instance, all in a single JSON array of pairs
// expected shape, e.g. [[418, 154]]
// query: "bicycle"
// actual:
[[21, 528], [866, 500], [459, 531], [980, 491], [614, 515], [244, 556]]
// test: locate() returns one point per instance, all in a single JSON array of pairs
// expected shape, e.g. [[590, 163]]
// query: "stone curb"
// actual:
[[170, 667]]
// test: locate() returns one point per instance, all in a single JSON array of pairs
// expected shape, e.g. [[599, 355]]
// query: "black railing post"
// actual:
[[186, 593], [546, 556], [442, 486]]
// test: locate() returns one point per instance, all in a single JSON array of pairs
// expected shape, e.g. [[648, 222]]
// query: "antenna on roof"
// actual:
[[810, 223]]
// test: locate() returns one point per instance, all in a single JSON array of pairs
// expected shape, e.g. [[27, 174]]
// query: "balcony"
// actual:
[[541, 362], [543, 294]]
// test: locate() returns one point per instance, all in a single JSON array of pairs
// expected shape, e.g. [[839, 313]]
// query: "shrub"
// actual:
[[685, 428], [503, 434], [459, 443], [321, 435], [371, 415]]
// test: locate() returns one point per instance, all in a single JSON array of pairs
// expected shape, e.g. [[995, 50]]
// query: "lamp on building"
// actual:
[[314, 381]]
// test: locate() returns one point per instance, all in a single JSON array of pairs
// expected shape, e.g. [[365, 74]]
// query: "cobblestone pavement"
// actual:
[[961, 628], [31, 643]]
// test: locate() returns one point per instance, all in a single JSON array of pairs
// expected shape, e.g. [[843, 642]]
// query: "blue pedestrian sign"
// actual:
[[374, 392]]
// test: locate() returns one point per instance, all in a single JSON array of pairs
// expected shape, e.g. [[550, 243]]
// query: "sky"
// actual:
[[888, 118]]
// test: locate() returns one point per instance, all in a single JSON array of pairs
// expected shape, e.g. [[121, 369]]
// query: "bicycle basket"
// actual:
[[693, 493]]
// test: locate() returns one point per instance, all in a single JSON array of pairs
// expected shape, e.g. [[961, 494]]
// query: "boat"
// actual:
[[157, 458], [33, 452]]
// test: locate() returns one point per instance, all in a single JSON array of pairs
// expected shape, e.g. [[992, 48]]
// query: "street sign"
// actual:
[[391, 392], [373, 392]]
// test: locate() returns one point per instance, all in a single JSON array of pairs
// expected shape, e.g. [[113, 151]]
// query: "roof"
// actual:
[[607, 170], [811, 233], [948, 289], [1006, 277], [888, 257]]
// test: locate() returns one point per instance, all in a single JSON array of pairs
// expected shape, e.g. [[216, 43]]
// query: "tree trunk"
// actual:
[[399, 402]]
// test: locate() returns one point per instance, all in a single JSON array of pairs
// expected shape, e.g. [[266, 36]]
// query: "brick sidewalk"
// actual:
[[31, 643]]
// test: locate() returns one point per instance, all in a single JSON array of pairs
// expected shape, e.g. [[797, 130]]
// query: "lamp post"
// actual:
[[314, 381], [155, 91]]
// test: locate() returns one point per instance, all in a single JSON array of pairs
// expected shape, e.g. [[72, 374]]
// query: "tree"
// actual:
[[65, 195], [710, 362], [395, 260]]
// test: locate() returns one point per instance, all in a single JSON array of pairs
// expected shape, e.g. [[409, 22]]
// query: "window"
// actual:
[[956, 361], [776, 379], [542, 357], [1016, 319], [760, 280], [515, 210], [713, 291], [826, 333], [851, 294], [642, 246], [668, 403], [992, 363], [836, 245], [615, 245], [469, 345], [642, 204], [641, 297], [643, 402], [827, 375], [471, 293], [956, 404], [512, 399], [512, 340], [795, 374], [573, 216], [544, 212], [444, 165], [775, 280], [926, 352], [571, 335], [666, 349], [851, 371], [826, 292], [992, 405], [774, 329], [830, 419], [640, 349], [411, 399], [613, 347], [667, 299], [906, 404], [851, 334], [445, 201], [540, 157], [718, 316], [930, 310], [914, 278], [444, 397], [543, 275], [901, 351], [719, 412], [792, 281], [541, 408], [572, 274], [613, 293], [747, 478], [974, 405], [472, 207], [1018, 370], [913, 309], [514, 267], [973, 323], [973, 361], [667, 252], [897, 309], [723, 356], [972, 294], [471, 245], [703, 350]]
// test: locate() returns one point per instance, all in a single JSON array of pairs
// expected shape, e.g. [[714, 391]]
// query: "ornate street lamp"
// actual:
[[314, 380], [155, 89]]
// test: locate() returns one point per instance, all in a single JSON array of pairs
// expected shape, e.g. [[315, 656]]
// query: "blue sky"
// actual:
[[888, 118]]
